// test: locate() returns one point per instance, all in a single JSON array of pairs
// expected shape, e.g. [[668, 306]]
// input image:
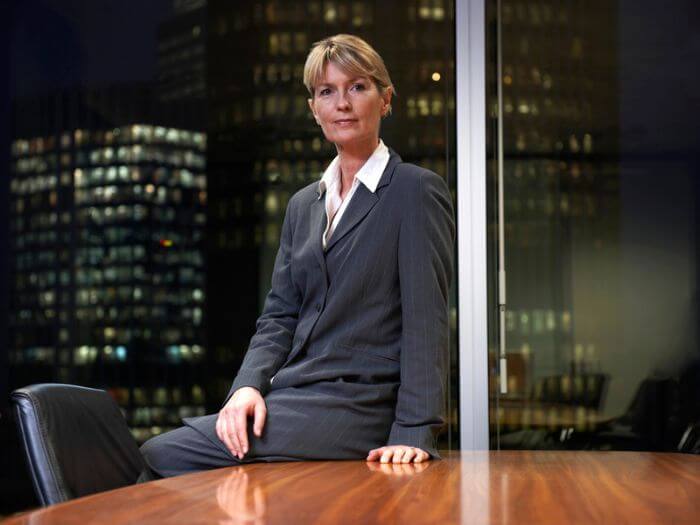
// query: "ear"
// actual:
[[386, 101]]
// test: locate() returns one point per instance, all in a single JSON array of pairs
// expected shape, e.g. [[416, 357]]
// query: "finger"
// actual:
[[398, 454], [409, 455], [402, 455], [220, 432], [378, 451], [226, 437], [422, 456], [259, 421], [374, 454], [241, 419], [386, 455], [218, 428], [232, 434]]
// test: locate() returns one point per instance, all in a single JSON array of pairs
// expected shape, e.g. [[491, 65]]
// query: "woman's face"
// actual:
[[349, 109]]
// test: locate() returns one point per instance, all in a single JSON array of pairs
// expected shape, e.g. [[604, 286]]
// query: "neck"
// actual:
[[352, 158]]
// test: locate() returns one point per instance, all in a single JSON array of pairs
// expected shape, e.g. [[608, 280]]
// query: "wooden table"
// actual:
[[468, 487]]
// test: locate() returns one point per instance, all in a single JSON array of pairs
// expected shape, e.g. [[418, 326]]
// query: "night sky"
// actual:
[[56, 44]]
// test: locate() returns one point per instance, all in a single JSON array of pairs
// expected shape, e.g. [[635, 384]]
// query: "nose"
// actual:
[[343, 101]]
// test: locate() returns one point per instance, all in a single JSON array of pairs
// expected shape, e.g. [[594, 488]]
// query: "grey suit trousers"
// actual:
[[301, 424]]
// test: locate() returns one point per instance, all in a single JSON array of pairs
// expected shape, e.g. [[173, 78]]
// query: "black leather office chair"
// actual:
[[76, 441], [690, 441]]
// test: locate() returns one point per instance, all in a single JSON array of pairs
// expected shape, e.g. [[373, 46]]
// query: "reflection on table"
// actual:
[[517, 415]]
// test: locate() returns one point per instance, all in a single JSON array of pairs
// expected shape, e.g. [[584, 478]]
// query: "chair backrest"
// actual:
[[76, 441], [690, 441]]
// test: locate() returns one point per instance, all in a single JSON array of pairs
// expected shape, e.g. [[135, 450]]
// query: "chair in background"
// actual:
[[565, 395], [689, 400], [76, 441], [690, 441], [651, 422], [581, 390]]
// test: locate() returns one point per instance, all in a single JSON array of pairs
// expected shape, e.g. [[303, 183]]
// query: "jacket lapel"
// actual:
[[361, 203], [318, 226], [358, 207], [394, 160]]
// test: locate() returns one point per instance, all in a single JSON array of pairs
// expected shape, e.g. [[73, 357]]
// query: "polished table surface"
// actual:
[[465, 487]]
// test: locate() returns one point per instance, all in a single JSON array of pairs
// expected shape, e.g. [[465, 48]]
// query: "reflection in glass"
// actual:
[[600, 199]]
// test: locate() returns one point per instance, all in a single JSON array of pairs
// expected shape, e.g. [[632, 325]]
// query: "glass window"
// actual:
[[599, 171]]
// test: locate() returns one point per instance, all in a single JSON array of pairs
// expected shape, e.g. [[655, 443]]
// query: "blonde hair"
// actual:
[[351, 54]]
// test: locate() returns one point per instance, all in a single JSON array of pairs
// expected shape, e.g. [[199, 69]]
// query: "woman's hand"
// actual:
[[399, 453], [231, 425]]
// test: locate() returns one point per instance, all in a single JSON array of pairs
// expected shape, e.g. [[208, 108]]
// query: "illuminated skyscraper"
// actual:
[[107, 212], [181, 68]]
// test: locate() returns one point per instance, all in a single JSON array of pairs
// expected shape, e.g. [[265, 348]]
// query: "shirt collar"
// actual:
[[369, 174]]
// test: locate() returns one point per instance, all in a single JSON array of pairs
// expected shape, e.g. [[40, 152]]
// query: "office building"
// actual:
[[181, 62], [107, 214]]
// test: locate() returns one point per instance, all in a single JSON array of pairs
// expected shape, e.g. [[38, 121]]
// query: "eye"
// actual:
[[359, 86], [324, 91]]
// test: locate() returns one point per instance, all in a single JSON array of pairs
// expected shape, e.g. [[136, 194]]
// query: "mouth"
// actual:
[[345, 121]]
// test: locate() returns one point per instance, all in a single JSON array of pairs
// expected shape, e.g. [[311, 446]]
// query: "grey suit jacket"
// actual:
[[370, 311]]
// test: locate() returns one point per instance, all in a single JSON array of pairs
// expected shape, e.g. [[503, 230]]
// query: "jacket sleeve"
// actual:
[[276, 325], [426, 250]]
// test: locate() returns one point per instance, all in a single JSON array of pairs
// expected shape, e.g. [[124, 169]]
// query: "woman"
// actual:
[[348, 360]]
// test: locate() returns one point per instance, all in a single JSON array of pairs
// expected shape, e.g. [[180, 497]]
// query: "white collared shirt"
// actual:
[[369, 175]]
